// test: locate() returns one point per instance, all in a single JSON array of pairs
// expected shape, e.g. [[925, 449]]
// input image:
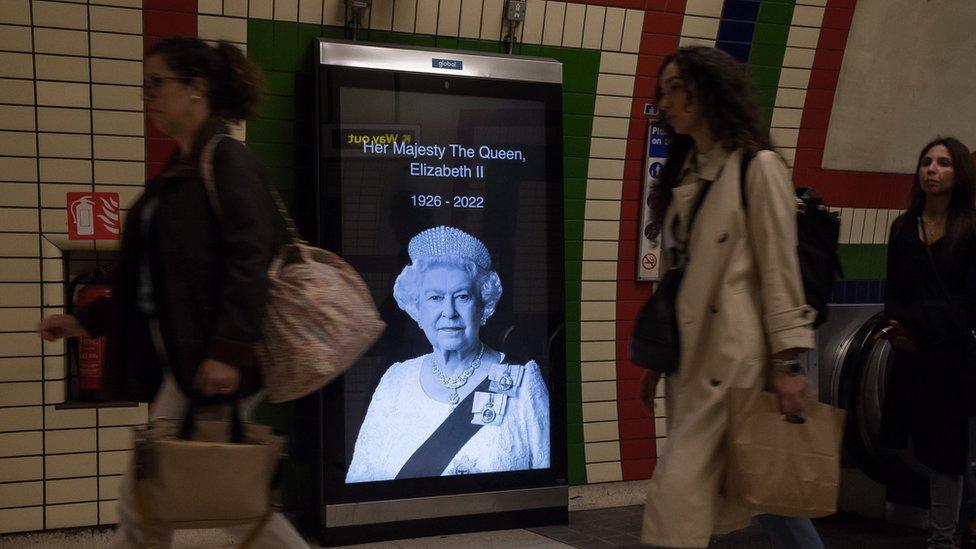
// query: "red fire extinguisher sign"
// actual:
[[91, 350], [93, 216]]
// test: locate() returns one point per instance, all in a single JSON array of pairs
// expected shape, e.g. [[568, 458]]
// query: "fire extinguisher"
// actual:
[[88, 352]]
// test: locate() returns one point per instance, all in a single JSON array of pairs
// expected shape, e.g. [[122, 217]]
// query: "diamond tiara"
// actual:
[[443, 240]]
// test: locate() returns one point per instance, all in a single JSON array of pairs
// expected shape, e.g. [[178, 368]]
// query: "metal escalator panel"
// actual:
[[852, 371]]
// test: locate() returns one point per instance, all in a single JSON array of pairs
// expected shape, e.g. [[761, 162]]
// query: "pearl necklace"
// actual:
[[455, 382]]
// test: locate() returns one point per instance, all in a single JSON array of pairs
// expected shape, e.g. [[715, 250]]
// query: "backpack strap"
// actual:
[[682, 248], [207, 174], [747, 155]]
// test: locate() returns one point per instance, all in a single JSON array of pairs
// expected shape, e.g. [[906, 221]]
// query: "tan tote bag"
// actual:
[[205, 473], [320, 315], [779, 465]]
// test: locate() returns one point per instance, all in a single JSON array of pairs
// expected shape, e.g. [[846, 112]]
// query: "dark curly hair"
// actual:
[[235, 84], [961, 221], [720, 85]]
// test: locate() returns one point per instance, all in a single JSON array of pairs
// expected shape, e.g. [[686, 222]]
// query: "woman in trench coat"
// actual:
[[741, 311]]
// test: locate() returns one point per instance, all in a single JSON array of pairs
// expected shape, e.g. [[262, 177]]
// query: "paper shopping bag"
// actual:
[[779, 466]]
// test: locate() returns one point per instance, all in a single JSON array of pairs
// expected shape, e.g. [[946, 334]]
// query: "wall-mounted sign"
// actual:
[[454, 64], [93, 216], [649, 239]]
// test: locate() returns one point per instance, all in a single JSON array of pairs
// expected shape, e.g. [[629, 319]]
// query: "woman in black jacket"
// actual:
[[191, 284], [930, 304]]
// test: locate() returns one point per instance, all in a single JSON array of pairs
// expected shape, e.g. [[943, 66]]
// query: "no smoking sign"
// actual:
[[649, 261]]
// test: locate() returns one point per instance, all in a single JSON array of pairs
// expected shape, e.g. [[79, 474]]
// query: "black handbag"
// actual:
[[655, 344]]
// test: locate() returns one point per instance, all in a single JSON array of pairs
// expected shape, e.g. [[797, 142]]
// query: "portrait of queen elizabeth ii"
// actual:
[[463, 407]]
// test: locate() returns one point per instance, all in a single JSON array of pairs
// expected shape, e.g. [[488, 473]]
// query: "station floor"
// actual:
[[617, 527], [620, 528]]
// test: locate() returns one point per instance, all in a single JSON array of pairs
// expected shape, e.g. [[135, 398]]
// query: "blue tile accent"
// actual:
[[857, 291], [837, 295], [736, 28], [743, 10], [736, 31], [737, 50], [874, 290], [850, 292]]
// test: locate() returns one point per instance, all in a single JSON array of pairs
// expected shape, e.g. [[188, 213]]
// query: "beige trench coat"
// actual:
[[740, 301]]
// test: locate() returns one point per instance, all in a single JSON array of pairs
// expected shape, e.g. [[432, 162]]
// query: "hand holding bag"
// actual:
[[205, 473], [781, 465]]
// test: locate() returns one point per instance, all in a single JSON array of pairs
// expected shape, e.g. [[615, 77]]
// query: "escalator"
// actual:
[[852, 369]]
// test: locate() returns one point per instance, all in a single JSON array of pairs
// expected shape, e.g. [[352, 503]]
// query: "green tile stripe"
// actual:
[[279, 48], [580, 72], [863, 261], [767, 51]]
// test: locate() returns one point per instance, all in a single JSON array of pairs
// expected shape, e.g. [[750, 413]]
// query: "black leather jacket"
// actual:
[[209, 275]]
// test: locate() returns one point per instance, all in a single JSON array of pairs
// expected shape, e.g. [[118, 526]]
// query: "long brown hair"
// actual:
[[721, 86], [961, 220]]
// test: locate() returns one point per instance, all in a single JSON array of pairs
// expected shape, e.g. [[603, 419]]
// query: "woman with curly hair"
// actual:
[[741, 311]]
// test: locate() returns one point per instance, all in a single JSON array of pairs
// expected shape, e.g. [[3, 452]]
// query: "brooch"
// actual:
[[488, 414], [488, 408]]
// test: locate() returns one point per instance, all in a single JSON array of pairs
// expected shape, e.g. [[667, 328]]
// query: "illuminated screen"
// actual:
[[446, 206]]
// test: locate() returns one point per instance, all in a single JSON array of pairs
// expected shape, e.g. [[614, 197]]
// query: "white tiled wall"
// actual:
[[70, 120], [69, 92], [700, 27], [546, 22], [865, 225], [794, 77], [608, 144]]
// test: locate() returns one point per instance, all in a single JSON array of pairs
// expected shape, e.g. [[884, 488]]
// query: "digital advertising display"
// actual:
[[445, 193]]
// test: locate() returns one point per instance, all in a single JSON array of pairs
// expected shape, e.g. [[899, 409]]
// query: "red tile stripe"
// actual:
[[845, 188], [657, 5], [162, 18], [661, 33]]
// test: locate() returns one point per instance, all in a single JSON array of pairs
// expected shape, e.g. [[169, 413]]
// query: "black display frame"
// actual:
[[332, 466]]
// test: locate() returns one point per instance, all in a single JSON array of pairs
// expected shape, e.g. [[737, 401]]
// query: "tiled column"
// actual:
[[620, 40], [70, 110], [608, 148], [662, 23], [794, 74], [21, 367]]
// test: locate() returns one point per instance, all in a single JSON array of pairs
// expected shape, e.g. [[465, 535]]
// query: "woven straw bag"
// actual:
[[320, 315]]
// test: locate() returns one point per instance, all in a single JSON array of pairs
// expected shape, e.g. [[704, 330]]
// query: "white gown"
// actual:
[[401, 417]]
